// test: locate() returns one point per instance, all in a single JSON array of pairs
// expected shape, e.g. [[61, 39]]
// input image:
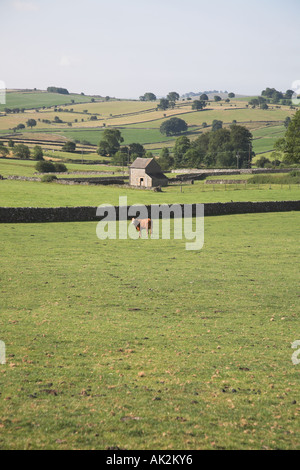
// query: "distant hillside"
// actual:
[[32, 99]]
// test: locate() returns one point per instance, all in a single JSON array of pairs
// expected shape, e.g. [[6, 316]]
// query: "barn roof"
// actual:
[[141, 162], [159, 175], [150, 166]]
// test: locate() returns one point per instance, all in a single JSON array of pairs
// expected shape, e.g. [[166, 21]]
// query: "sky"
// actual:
[[125, 48]]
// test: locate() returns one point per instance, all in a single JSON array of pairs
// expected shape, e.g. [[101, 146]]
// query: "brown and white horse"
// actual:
[[142, 224]]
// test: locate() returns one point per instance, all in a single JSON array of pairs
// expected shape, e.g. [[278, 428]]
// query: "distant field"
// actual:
[[139, 121], [107, 108], [36, 99], [141, 136], [265, 138]]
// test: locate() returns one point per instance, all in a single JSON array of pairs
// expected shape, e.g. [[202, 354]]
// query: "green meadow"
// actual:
[[36, 194], [140, 344], [38, 99]]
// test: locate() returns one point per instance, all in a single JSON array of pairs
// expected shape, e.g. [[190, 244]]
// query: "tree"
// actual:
[[165, 160], [149, 97], [173, 126], [31, 123], [241, 141], [216, 124], [253, 102], [231, 95], [120, 157], [57, 119], [200, 145], [173, 96], [272, 94], [163, 104], [203, 97], [217, 98], [38, 153], [110, 143], [69, 147], [21, 151], [54, 89], [291, 143], [20, 127], [182, 144], [287, 121], [3, 150], [198, 105], [219, 148], [136, 149]]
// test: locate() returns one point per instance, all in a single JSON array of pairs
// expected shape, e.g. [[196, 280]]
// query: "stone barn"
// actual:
[[146, 172]]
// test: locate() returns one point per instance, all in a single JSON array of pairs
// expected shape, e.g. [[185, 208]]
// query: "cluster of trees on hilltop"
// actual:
[[272, 96], [54, 89], [172, 96]]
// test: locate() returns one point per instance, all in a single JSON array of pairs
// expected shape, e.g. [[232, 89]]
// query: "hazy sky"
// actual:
[[124, 48]]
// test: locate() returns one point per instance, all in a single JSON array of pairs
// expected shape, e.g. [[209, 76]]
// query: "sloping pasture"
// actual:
[[140, 344]]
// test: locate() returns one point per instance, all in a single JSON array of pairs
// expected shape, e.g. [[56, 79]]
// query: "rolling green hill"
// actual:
[[82, 118]]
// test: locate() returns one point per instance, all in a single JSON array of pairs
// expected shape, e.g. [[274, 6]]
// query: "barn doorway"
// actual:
[[141, 181]]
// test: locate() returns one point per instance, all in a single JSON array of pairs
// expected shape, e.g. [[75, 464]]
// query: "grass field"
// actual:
[[37, 99], [140, 344], [265, 138], [36, 194], [27, 167]]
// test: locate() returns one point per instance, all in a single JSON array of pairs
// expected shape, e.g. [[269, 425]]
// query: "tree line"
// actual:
[[218, 148], [272, 96]]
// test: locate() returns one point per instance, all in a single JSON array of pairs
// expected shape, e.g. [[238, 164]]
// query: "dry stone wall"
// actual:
[[85, 214]]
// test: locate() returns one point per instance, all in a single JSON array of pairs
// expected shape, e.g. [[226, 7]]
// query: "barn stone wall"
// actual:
[[135, 175]]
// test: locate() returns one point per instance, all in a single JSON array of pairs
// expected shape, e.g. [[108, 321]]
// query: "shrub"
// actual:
[[262, 161], [69, 147], [48, 178], [60, 167], [45, 167]]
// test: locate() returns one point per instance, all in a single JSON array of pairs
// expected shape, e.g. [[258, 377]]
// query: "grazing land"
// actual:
[[138, 121], [185, 350], [141, 344], [36, 194], [38, 99]]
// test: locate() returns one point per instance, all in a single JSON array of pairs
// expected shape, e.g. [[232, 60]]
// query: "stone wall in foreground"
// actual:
[[84, 214]]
